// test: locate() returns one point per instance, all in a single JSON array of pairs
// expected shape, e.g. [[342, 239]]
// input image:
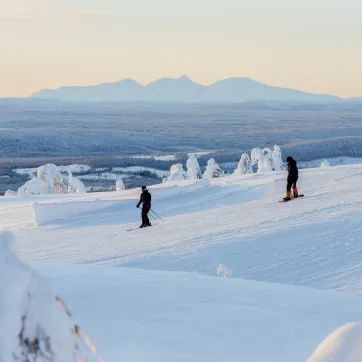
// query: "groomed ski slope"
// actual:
[[296, 267]]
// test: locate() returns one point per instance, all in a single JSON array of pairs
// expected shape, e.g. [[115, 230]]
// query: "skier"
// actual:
[[145, 200], [292, 178]]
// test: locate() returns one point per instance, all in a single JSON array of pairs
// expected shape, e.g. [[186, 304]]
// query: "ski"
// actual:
[[138, 228], [292, 198]]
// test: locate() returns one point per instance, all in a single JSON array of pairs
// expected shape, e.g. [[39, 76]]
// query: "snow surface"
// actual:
[[230, 275], [343, 345]]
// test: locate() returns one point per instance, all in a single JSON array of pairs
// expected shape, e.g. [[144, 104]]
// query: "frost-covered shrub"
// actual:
[[213, 170], [325, 164], [51, 179], [75, 185], [35, 324], [277, 159], [32, 187], [223, 270], [177, 173], [120, 185], [244, 165], [263, 158], [10, 193], [193, 168]]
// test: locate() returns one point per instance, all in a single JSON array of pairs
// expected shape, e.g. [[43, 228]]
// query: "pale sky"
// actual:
[[311, 45]]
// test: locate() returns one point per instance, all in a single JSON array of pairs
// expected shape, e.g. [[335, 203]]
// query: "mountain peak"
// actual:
[[184, 89]]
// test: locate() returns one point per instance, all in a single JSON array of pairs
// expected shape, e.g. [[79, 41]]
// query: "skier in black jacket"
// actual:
[[145, 200], [292, 178]]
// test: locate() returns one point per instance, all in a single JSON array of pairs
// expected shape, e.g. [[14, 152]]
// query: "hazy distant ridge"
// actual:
[[182, 89]]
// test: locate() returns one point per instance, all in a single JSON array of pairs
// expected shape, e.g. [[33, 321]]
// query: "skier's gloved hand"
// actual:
[[137, 206]]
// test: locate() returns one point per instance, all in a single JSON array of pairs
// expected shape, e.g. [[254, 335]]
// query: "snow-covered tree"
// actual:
[[193, 168], [213, 170], [35, 324], [75, 185], [51, 179], [177, 173], [120, 185], [277, 159], [32, 187], [244, 165], [325, 164], [263, 158]]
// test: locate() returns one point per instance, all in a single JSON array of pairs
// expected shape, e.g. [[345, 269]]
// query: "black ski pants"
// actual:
[[145, 211]]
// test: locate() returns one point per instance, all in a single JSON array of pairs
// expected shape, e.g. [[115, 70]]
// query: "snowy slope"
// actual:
[[290, 264]]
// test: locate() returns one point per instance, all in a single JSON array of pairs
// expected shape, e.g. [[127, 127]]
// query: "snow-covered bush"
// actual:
[[325, 164], [32, 187], [193, 168], [35, 324], [244, 165], [75, 185], [10, 193], [263, 158], [277, 159], [177, 173], [120, 185], [343, 345], [51, 179], [223, 270], [213, 170]]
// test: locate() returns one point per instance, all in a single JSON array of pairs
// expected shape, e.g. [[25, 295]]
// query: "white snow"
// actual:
[[32, 187], [31, 172], [277, 159], [193, 168], [230, 275], [212, 170], [120, 185], [343, 345], [177, 173], [51, 179], [75, 185], [244, 165], [325, 164], [10, 193]]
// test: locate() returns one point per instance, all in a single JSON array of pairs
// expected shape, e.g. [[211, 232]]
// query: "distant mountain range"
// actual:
[[182, 89]]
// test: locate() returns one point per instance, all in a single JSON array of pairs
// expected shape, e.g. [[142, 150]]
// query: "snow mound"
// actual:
[[177, 173], [32, 187], [75, 185], [33, 320], [10, 193], [325, 164], [343, 345]]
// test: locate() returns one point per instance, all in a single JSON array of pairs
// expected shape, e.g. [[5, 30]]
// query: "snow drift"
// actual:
[[34, 323], [343, 345]]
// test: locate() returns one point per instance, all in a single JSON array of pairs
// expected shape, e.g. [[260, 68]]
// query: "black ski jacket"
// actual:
[[145, 199], [292, 170]]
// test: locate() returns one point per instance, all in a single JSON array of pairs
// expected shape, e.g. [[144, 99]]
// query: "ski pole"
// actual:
[[157, 215]]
